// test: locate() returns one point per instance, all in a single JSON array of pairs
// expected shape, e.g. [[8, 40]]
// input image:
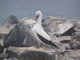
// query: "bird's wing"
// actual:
[[41, 32]]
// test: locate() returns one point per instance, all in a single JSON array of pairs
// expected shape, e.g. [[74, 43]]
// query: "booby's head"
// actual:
[[38, 15]]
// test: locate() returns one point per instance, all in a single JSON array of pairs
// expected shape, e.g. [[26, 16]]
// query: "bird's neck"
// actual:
[[39, 22]]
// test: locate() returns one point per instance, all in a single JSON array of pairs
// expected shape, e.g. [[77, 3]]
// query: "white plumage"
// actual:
[[38, 26]]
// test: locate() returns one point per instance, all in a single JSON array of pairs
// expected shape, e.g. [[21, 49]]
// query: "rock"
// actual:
[[20, 36], [56, 18], [9, 24], [1, 48], [10, 20], [74, 54], [3, 56], [18, 51], [64, 27], [58, 27], [3, 32], [50, 26], [77, 27], [35, 53], [64, 38], [75, 40]]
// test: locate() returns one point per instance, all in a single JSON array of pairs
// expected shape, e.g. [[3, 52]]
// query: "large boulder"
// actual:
[[57, 27], [20, 36]]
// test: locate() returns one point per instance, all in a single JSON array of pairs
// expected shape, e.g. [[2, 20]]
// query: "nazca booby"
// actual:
[[47, 38]]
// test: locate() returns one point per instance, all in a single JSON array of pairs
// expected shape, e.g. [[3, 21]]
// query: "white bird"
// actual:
[[40, 34], [38, 26]]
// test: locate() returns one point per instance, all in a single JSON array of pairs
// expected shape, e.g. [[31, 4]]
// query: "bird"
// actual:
[[41, 34]]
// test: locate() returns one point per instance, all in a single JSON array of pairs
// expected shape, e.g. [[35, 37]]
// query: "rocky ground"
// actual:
[[67, 31]]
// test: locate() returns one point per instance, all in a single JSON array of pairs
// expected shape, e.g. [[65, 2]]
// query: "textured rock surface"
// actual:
[[21, 36], [75, 40], [17, 51], [77, 27], [57, 26], [75, 54], [34, 53]]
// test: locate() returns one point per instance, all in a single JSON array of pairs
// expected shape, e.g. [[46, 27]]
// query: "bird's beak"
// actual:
[[36, 18]]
